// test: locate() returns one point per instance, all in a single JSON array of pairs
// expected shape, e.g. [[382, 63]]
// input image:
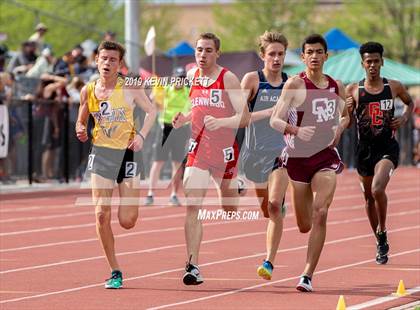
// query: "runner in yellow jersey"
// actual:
[[116, 143]]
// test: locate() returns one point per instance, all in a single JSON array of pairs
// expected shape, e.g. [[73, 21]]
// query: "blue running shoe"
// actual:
[[265, 270], [115, 281]]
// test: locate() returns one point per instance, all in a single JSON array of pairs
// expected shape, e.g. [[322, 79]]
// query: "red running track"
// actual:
[[50, 257]]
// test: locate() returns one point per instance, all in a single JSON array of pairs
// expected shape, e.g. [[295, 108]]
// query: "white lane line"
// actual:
[[182, 245], [381, 300], [409, 306], [390, 269], [273, 282], [53, 228], [213, 201], [172, 229], [219, 262], [45, 217], [33, 208]]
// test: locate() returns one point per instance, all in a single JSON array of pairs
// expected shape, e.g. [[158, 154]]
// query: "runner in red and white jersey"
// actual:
[[215, 150], [218, 108]]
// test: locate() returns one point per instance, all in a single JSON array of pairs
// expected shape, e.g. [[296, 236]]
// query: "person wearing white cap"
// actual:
[[38, 36]]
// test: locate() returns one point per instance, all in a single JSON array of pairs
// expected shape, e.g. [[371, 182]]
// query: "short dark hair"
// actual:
[[371, 47], [210, 36], [313, 39], [112, 46]]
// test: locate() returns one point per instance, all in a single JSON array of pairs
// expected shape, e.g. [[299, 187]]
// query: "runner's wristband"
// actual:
[[138, 133]]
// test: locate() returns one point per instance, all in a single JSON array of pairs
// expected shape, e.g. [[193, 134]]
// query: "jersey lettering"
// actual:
[[324, 109], [375, 114]]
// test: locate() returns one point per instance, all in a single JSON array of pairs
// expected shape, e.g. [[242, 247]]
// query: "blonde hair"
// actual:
[[271, 37]]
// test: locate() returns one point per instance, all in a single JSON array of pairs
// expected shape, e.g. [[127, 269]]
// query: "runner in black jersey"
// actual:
[[372, 100]]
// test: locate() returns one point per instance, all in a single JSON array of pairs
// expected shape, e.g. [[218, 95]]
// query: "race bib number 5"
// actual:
[[228, 154]]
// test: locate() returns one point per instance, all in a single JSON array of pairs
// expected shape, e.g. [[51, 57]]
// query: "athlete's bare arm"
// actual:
[[344, 119], [291, 96], [398, 90], [238, 100], [250, 83], [141, 100], [83, 115], [351, 99]]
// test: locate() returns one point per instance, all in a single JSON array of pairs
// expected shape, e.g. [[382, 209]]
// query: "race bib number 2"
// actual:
[[130, 169], [192, 146], [91, 158]]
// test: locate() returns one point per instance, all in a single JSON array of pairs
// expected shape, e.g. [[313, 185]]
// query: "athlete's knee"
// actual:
[[128, 221], [320, 216], [274, 208], [304, 227], [103, 217], [378, 190]]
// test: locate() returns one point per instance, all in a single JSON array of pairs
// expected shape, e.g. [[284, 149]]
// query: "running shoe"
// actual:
[[192, 275], [305, 284], [149, 200], [265, 270], [174, 201], [115, 281], [382, 248]]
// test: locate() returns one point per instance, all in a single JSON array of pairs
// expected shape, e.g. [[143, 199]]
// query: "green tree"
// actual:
[[164, 18], [394, 23], [240, 25], [70, 22]]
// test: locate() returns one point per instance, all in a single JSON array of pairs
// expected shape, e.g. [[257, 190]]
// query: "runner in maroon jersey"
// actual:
[[218, 108], [377, 155], [313, 103]]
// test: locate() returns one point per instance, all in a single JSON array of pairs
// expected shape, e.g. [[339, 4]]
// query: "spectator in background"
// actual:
[[80, 61], [16, 130], [65, 65], [23, 60], [38, 36], [78, 152], [45, 128], [3, 56], [110, 36], [171, 142], [44, 63]]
